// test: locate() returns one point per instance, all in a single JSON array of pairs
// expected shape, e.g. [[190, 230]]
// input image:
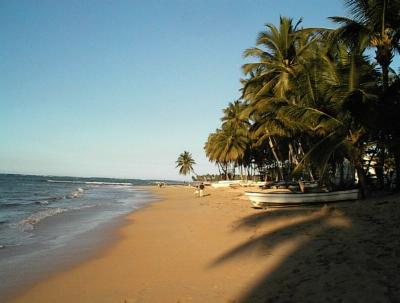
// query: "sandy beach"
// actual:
[[131, 131], [218, 249]]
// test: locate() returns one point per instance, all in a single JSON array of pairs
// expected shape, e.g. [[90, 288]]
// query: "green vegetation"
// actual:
[[185, 163], [316, 105]]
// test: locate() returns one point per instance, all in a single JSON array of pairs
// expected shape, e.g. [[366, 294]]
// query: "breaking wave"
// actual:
[[91, 182], [29, 222], [75, 194]]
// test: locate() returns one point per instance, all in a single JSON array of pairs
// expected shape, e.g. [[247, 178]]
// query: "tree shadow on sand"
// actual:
[[326, 254]]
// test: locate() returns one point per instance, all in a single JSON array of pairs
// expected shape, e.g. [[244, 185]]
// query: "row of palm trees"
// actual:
[[315, 103]]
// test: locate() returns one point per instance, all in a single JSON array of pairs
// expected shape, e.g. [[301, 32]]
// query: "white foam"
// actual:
[[108, 183], [90, 182], [60, 181], [28, 223], [83, 207], [75, 194]]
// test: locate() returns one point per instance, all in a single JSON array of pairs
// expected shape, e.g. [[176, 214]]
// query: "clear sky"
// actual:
[[120, 88]]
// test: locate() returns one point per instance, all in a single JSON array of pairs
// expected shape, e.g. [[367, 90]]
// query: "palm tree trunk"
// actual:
[[219, 168], [312, 179], [380, 165], [397, 167], [224, 170], [341, 174], [354, 72], [361, 178], [274, 152], [293, 154], [384, 63], [385, 77]]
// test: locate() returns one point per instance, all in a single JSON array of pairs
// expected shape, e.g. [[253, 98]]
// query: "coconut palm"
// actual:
[[388, 121], [185, 163], [375, 23], [313, 94], [314, 108], [234, 117], [338, 108], [280, 53], [227, 146]]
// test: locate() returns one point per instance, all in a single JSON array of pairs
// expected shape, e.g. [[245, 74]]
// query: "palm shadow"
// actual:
[[276, 213], [267, 241], [335, 261]]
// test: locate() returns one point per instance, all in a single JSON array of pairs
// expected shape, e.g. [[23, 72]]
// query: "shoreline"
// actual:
[[218, 249], [75, 251], [80, 253], [103, 251]]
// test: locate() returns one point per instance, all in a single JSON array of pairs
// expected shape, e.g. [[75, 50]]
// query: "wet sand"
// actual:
[[218, 249]]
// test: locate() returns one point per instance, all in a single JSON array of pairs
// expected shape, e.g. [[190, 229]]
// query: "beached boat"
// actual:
[[265, 199]]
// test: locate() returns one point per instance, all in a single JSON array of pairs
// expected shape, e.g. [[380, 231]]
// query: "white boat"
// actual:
[[265, 199]]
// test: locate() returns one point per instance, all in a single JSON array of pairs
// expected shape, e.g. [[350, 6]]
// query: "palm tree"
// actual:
[[313, 94], [375, 23], [337, 106], [234, 117], [282, 53], [324, 83], [227, 146], [389, 122], [185, 163]]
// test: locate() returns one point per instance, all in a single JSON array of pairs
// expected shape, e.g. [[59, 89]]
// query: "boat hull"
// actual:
[[260, 199]]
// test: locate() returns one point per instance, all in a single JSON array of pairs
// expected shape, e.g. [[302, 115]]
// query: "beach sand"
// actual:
[[218, 249]]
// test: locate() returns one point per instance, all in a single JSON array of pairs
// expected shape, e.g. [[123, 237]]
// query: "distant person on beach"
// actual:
[[201, 190]]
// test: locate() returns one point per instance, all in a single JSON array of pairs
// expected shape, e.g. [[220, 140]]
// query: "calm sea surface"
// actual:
[[43, 218]]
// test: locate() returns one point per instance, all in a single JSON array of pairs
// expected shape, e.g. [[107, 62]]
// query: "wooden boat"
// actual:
[[265, 199]]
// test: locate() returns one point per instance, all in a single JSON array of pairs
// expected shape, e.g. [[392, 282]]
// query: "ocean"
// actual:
[[47, 222]]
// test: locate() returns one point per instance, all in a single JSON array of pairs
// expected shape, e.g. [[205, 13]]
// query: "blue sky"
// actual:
[[120, 88]]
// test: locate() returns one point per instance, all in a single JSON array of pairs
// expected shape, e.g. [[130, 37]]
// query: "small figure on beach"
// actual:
[[201, 190]]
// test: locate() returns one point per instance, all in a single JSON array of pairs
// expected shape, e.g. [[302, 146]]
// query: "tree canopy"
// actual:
[[185, 163], [314, 103]]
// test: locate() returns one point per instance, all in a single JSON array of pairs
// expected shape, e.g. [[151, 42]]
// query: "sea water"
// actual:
[[45, 221]]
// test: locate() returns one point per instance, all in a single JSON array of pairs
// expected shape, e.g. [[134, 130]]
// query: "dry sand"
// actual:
[[218, 249]]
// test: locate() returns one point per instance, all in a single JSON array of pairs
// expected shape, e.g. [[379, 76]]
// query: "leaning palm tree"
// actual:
[[185, 163]]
